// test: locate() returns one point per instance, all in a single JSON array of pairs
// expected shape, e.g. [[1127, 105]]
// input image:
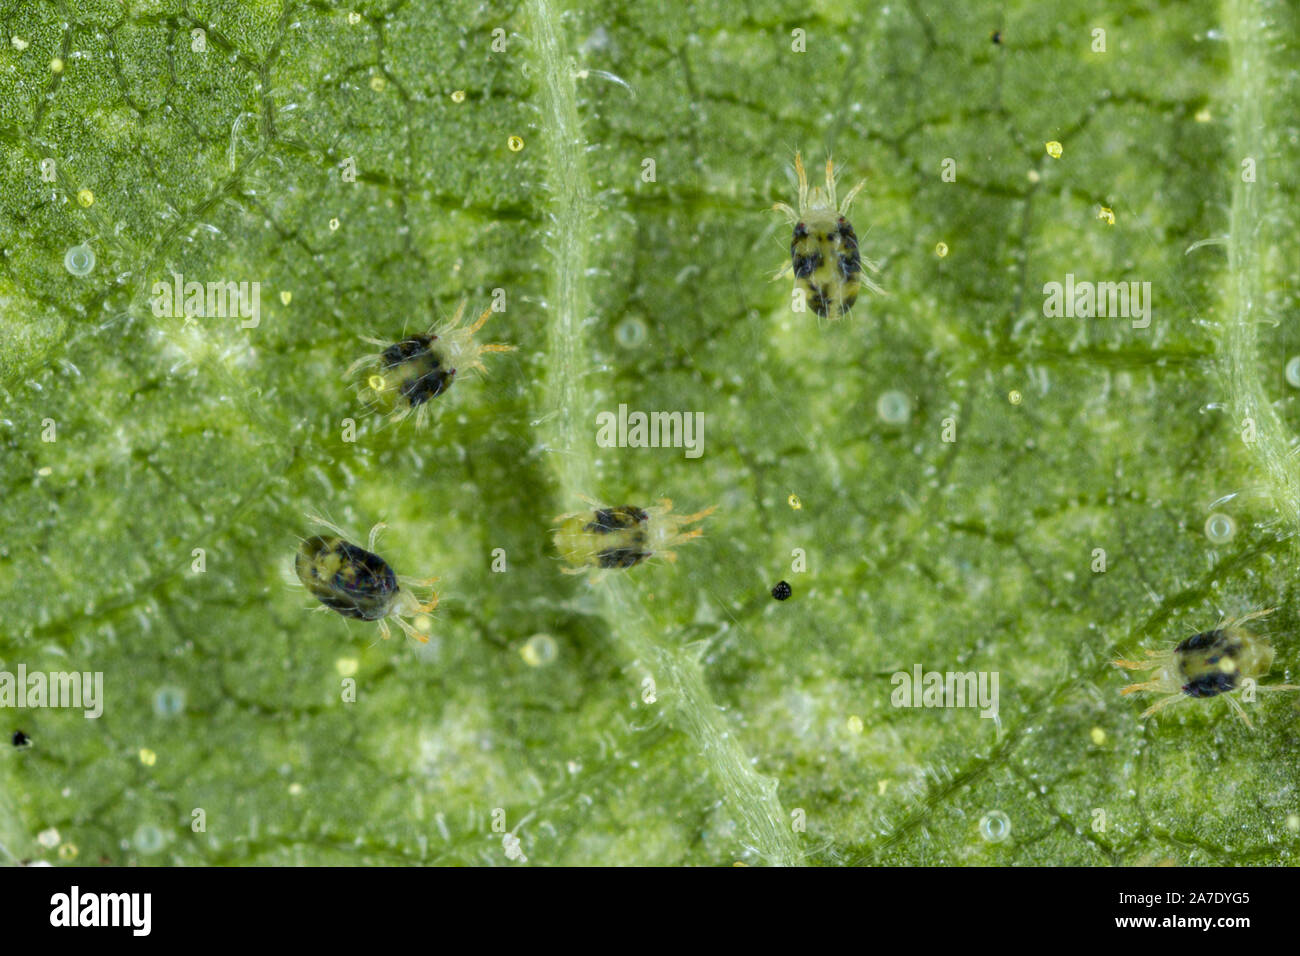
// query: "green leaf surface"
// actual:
[[686, 717]]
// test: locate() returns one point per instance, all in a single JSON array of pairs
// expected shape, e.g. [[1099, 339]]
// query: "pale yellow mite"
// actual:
[[406, 375], [824, 254], [607, 539], [1213, 663]]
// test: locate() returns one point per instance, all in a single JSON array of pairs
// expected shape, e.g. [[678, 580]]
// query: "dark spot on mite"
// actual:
[[407, 349], [621, 557], [805, 265], [21, 739], [609, 520], [1200, 641], [1210, 685], [851, 257], [782, 591], [818, 300], [800, 231], [429, 385]]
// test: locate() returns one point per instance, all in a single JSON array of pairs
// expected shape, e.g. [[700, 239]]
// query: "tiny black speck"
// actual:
[[997, 37], [782, 591], [21, 739]]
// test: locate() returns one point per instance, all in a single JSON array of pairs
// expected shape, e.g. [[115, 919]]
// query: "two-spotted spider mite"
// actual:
[[1210, 664], [824, 254], [407, 374], [622, 537], [358, 583]]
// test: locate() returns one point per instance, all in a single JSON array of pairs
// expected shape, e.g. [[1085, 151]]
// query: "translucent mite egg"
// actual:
[[631, 333], [539, 650], [79, 260], [995, 826], [894, 408], [1220, 528]]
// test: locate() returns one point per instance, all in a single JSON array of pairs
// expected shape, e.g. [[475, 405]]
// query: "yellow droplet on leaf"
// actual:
[[1054, 149]]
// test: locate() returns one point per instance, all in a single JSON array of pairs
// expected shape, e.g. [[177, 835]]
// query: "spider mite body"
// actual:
[[1212, 663], [346, 578], [824, 254], [405, 376], [610, 539], [357, 583]]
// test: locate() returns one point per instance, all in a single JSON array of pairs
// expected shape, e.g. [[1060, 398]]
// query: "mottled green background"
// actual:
[[972, 555]]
